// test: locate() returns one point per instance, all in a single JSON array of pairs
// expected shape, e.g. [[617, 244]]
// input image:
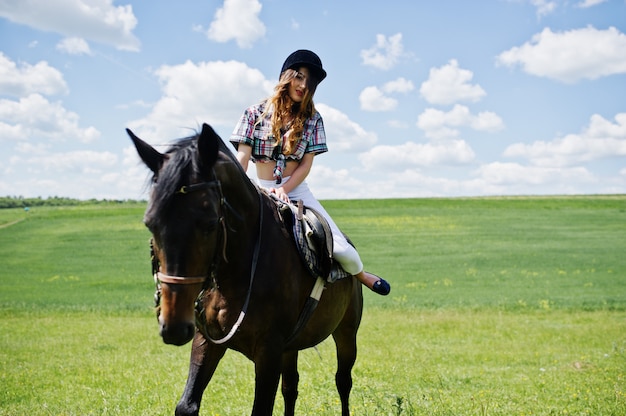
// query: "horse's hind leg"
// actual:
[[205, 356], [290, 381], [346, 357], [345, 342]]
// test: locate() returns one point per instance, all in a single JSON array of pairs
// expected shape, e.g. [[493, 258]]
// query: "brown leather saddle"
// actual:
[[313, 238]]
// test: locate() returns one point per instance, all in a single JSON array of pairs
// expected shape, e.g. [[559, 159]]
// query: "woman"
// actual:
[[282, 135]]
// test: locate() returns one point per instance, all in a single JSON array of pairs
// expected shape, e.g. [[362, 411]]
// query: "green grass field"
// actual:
[[499, 306]]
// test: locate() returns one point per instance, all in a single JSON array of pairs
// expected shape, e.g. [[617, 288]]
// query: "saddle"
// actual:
[[313, 238]]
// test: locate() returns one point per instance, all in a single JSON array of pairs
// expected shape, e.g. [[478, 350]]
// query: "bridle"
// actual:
[[160, 277]]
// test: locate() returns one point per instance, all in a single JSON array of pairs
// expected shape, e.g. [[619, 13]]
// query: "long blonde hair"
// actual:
[[288, 113]]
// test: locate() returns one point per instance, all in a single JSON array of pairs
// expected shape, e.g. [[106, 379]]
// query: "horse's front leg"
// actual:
[[205, 356], [267, 367], [290, 381]]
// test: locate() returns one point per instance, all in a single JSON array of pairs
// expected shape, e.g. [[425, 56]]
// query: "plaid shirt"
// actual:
[[256, 132]]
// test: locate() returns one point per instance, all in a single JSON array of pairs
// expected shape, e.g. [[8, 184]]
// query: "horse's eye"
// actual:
[[211, 226], [149, 225]]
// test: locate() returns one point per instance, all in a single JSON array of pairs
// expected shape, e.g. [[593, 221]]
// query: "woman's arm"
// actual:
[[297, 177], [244, 152]]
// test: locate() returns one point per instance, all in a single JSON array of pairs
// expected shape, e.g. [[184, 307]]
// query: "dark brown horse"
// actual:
[[222, 250]]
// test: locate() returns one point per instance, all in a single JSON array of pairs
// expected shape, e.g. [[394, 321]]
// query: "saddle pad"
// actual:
[[313, 238]]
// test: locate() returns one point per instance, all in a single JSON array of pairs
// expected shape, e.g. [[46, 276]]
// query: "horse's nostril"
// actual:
[[178, 334], [191, 330]]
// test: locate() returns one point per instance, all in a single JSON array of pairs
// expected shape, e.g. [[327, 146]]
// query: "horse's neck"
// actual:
[[242, 208]]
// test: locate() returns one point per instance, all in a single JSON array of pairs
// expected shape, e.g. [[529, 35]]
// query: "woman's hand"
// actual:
[[280, 193]]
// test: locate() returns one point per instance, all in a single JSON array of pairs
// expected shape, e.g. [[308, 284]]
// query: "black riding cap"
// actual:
[[303, 57]]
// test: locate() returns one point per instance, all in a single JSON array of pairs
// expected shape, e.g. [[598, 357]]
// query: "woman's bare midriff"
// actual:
[[266, 170]]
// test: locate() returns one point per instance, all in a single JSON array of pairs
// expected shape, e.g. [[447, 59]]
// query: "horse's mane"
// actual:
[[228, 153], [182, 163]]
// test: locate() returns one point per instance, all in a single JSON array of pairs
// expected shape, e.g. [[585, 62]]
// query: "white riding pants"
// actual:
[[343, 252]]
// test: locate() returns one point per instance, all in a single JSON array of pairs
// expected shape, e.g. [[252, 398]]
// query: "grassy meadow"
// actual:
[[499, 306]]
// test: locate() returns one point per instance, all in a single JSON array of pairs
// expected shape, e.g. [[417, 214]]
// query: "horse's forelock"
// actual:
[[180, 165]]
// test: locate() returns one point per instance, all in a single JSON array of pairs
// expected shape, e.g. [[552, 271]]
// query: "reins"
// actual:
[[200, 315]]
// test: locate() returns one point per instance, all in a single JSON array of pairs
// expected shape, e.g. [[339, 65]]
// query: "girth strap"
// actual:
[[309, 308]]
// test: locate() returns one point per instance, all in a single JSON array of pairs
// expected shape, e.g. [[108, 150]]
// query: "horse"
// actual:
[[229, 276]]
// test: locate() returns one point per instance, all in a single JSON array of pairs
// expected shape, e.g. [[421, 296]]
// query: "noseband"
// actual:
[[178, 280]]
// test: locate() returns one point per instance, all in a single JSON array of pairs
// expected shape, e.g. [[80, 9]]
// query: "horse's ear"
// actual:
[[150, 156], [208, 145]]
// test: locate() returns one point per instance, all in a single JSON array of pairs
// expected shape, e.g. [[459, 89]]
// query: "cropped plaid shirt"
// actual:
[[255, 130]]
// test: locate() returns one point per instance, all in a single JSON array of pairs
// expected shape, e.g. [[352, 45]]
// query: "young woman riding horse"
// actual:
[[282, 135]]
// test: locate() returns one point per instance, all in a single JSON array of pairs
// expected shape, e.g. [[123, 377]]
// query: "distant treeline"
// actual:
[[55, 201]]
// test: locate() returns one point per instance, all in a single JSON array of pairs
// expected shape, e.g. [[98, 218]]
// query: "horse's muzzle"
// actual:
[[178, 333], [177, 297]]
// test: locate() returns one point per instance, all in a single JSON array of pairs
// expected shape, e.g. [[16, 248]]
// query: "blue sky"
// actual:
[[423, 98]]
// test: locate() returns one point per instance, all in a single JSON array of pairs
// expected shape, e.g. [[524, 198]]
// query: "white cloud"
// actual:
[[374, 99], [77, 161], [385, 53], [33, 149], [449, 84], [238, 20], [97, 20], [214, 92], [421, 184], [74, 46], [34, 118], [410, 154], [601, 139], [601, 128], [544, 7], [590, 3], [347, 136], [439, 124], [344, 183], [400, 85], [26, 79], [91, 174], [133, 104], [571, 55], [514, 174], [42, 171]]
